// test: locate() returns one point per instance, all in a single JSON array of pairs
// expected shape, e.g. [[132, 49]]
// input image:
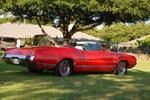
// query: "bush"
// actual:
[[92, 32], [1, 53], [28, 42], [144, 45], [4, 20], [146, 42], [121, 32]]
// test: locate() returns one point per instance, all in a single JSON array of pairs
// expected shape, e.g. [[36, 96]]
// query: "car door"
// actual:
[[97, 58]]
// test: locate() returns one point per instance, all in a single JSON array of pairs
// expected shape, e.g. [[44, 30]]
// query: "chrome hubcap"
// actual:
[[121, 69], [64, 68]]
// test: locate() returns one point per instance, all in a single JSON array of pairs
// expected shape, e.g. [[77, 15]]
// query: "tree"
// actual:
[[2, 4], [78, 14], [120, 32]]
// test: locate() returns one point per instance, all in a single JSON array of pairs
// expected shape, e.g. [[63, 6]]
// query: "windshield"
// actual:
[[90, 45]]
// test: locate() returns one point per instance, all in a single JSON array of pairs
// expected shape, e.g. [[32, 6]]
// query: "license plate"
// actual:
[[15, 61]]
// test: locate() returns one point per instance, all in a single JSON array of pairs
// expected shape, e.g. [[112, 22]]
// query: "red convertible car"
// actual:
[[85, 56]]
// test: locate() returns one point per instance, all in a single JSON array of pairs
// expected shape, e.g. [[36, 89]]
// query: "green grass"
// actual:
[[17, 84]]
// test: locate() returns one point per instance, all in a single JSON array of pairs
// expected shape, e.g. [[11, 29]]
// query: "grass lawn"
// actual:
[[17, 84]]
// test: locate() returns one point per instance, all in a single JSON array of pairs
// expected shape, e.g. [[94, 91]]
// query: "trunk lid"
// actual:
[[20, 51]]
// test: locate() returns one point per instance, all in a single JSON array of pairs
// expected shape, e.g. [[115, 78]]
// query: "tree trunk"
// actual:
[[67, 38], [52, 42]]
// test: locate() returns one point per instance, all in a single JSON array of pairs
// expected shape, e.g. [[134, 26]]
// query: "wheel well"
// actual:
[[125, 62]]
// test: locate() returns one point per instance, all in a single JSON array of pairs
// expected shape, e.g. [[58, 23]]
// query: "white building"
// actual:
[[17, 30]]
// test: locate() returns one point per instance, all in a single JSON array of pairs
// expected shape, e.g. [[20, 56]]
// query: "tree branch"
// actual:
[[38, 22], [43, 31], [87, 27]]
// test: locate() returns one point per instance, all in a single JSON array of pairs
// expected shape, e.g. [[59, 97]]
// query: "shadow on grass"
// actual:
[[17, 83]]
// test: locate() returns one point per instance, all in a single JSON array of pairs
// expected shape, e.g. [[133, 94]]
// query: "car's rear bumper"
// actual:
[[24, 60]]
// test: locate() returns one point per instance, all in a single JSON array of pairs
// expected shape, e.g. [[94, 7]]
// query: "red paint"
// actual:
[[84, 60]]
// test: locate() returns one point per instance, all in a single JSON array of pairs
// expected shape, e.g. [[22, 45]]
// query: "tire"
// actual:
[[64, 68], [33, 70], [121, 68]]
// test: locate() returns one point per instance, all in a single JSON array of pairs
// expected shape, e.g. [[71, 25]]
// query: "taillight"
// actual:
[[30, 57]]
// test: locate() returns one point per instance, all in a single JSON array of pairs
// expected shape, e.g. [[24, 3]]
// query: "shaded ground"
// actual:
[[17, 83]]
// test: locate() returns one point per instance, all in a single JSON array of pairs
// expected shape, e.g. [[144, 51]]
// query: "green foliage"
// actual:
[[110, 10], [1, 53], [80, 12], [32, 21], [92, 32], [123, 33], [28, 41], [4, 20], [1, 4], [146, 42]]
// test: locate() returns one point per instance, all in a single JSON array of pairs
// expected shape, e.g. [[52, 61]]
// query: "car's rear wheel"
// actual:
[[121, 69], [64, 68]]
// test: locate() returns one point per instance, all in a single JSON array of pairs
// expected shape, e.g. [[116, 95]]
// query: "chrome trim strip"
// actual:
[[47, 64], [96, 66], [15, 56]]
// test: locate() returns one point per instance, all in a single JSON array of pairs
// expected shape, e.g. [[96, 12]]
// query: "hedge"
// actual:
[[121, 32]]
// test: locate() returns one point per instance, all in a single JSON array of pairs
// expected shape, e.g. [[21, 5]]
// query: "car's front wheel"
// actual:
[[121, 68], [64, 68]]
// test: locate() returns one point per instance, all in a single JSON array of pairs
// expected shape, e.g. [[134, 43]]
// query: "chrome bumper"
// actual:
[[10, 56], [25, 60], [22, 57]]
